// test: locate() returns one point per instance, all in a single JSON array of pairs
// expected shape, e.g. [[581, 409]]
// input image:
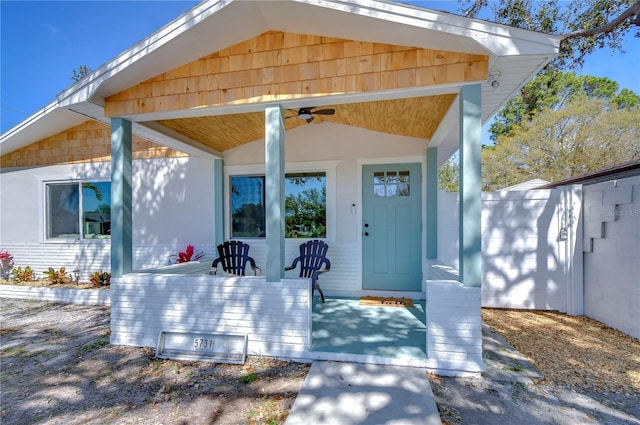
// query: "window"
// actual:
[[391, 183], [305, 206], [78, 210]]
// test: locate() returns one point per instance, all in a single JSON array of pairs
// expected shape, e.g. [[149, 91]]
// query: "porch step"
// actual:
[[355, 393]]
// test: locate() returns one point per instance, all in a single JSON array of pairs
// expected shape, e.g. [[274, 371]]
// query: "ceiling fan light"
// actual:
[[304, 115]]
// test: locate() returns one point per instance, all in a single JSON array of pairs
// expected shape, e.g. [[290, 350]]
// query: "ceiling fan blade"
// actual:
[[324, 112]]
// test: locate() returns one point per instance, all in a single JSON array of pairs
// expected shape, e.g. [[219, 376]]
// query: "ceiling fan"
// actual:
[[308, 113]]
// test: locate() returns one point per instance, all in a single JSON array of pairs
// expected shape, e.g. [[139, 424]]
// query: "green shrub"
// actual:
[[101, 279], [57, 277], [26, 275]]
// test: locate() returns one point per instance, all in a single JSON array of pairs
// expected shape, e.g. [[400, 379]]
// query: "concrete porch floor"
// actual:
[[341, 325]]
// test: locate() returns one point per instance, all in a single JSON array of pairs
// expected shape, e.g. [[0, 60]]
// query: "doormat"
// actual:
[[386, 301]]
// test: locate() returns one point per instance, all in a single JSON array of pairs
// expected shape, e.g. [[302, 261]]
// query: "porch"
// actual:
[[441, 332]]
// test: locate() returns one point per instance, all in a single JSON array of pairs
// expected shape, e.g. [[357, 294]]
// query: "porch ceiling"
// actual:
[[415, 117]]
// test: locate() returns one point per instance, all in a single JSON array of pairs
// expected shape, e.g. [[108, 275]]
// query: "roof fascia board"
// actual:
[[85, 88], [335, 99], [170, 138], [494, 38], [491, 36], [153, 132]]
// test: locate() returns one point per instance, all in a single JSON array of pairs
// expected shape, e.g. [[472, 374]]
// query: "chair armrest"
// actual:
[[293, 265], [214, 266], [255, 268]]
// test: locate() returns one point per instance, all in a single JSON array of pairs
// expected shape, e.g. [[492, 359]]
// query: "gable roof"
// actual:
[[528, 185], [515, 56]]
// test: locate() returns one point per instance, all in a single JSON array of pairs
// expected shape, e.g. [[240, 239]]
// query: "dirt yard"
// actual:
[[591, 375], [57, 367]]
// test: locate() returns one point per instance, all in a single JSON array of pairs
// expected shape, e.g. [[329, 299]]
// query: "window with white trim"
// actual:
[[78, 210], [305, 205]]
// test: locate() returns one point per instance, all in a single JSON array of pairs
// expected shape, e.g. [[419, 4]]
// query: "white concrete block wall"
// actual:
[[275, 316], [612, 254], [454, 328]]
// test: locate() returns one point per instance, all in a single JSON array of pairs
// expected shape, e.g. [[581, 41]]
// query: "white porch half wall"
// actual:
[[275, 316]]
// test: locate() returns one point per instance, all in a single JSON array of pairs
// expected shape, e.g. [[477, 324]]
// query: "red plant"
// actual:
[[187, 255], [5, 254]]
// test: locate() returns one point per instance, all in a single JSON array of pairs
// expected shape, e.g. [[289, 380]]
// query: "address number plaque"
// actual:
[[215, 347]]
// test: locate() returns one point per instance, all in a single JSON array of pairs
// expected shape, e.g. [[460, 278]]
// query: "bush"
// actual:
[[26, 275], [101, 279], [57, 277]]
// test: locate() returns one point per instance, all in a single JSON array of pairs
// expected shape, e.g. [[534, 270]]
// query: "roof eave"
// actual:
[[389, 22]]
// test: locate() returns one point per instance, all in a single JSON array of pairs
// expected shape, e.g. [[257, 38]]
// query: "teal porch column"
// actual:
[[121, 198], [432, 203], [470, 244], [218, 194], [274, 192]]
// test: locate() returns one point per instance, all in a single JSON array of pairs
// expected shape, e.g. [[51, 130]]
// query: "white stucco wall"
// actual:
[[174, 202], [173, 207], [612, 253], [341, 151]]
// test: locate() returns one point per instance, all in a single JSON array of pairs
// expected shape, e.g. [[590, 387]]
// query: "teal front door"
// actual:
[[392, 227]]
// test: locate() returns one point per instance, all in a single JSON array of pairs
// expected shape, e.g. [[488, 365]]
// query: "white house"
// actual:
[[198, 133]]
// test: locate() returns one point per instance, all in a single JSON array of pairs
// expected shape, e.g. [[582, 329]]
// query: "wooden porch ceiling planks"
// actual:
[[414, 117]]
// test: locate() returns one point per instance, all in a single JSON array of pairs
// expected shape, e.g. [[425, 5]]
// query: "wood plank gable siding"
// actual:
[[276, 66], [87, 142]]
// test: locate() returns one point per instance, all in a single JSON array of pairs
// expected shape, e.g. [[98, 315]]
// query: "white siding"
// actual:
[[612, 254], [275, 316], [92, 257], [454, 326], [63, 295]]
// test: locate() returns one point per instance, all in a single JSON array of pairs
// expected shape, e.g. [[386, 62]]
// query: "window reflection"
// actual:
[[391, 183]]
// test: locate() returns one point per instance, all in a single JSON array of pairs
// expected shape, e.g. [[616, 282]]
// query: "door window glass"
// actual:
[[391, 183]]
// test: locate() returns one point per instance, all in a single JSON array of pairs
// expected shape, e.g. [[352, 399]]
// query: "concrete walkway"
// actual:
[[357, 394]]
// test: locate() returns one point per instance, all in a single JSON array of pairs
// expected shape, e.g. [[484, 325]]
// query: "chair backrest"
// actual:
[[313, 254], [234, 256]]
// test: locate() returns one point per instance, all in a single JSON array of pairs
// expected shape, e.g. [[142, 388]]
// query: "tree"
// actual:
[[80, 72], [449, 175], [584, 26], [587, 134], [554, 90], [306, 212]]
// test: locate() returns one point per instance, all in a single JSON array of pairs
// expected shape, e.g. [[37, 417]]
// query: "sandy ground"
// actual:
[[57, 367]]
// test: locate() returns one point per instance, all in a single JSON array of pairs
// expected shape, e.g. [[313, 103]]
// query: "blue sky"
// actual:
[[42, 42]]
